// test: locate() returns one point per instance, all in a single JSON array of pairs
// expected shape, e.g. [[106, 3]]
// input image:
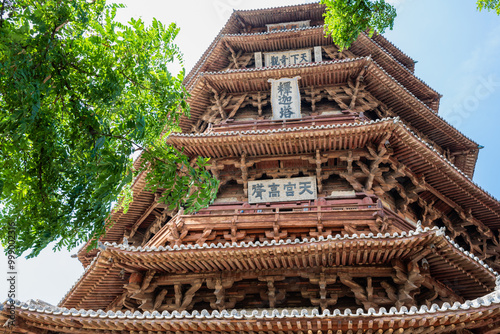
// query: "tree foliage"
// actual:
[[346, 19], [489, 5], [79, 94]]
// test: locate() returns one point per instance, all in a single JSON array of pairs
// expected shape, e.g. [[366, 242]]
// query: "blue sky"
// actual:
[[457, 50]]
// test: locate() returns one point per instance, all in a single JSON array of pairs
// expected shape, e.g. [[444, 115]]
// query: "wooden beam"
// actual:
[[143, 217]]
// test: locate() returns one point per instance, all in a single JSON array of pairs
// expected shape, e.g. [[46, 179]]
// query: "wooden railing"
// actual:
[[282, 208], [332, 215]]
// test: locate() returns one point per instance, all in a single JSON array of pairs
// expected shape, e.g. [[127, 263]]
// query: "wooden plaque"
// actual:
[[281, 190]]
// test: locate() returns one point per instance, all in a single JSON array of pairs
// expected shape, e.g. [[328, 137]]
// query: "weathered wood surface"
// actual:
[[401, 284]]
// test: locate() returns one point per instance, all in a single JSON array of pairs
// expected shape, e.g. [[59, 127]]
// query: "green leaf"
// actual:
[[79, 92], [346, 19]]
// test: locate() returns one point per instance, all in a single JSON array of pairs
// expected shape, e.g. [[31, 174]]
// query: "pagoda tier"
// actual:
[[359, 85], [244, 22], [406, 164], [350, 271], [342, 195], [236, 51]]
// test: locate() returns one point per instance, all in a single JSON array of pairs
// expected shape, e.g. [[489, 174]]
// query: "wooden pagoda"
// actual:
[[346, 204]]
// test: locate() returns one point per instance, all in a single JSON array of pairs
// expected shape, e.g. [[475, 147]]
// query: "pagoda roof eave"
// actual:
[[394, 50], [231, 81], [453, 182], [140, 202], [234, 23], [103, 269], [408, 78], [314, 36], [478, 197], [379, 82], [288, 13], [479, 312], [94, 272], [258, 13], [415, 238], [200, 92]]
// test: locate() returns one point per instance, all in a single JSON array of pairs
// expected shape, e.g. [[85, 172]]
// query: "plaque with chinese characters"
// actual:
[[288, 25], [285, 98], [293, 57], [281, 190]]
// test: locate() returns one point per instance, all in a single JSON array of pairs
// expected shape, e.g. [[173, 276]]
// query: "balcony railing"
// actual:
[[233, 221]]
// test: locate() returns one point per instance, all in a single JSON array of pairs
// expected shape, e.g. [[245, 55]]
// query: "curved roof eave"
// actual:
[[421, 113], [101, 266], [364, 46], [470, 314]]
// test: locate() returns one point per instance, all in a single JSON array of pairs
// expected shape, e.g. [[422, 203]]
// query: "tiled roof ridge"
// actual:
[[271, 32], [191, 84], [267, 68], [276, 7], [266, 243], [492, 298], [300, 128]]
